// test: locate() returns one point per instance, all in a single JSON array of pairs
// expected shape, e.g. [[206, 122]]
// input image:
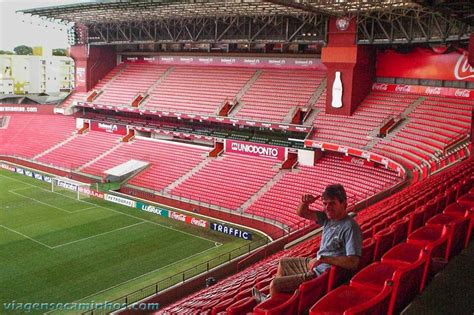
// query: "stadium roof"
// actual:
[[128, 10], [453, 18]]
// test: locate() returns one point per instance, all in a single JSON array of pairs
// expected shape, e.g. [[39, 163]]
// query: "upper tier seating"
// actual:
[[80, 150], [275, 92], [236, 288], [198, 89], [433, 125], [369, 115], [133, 79], [168, 161], [228, 181], [28, 135]]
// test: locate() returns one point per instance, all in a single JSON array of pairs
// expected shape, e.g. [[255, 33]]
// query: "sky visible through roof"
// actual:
[[20, 29]]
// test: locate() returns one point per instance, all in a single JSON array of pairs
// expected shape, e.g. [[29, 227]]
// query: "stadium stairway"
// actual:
[[232, 295]]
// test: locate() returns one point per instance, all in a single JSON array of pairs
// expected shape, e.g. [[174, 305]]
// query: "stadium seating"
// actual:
[[36, 133], [173, 161], [71, 155], [198, 89], [405, 270], [282, 199], [434, 124], [219, 183], [132, 79], [369, 115], [276, 92]]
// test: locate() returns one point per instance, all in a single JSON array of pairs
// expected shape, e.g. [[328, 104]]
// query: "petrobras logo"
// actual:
[[177, 216], [463, 69], [402, 88], [255, 149], [433, 91], [149, 58], [462, 93], [120, 200], [66, 185], [132, 58], [108, 127], [186, 59], [167, 59], [199, 222]]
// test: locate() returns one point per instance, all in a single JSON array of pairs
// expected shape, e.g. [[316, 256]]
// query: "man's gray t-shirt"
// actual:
[[340, 238]]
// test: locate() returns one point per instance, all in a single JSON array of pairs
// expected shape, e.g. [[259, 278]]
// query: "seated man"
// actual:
[[341, 244]]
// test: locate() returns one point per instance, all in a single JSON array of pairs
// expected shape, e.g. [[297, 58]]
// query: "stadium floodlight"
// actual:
[[70, 188]]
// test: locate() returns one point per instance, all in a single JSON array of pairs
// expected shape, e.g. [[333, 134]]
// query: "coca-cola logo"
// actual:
[[198, 222], [463, 69], [380, 87], [402, 88], [433, 91], [178, 216], [462, 93]]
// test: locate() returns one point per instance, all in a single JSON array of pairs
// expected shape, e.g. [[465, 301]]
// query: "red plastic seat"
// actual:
[[368, 250], [383, 242], [406, 278], [311, 291], [434, 239], [243, 306], [462, 210], [407, 253], [279, 304], [416, 219], [349, 300], [459, 229], [400, 228]]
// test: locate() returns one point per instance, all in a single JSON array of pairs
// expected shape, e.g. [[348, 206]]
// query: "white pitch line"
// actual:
[[41, 202], [30, 238], [126, 214], [89, 237]]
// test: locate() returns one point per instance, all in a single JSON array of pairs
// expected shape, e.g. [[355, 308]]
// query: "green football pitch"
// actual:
[[57, 249]]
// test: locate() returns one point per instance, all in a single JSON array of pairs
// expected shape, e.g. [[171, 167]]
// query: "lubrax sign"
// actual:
[[255, 149], [229, 230]]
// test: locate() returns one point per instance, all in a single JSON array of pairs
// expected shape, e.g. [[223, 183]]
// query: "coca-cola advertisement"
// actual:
[[425, 90], [422, 63]]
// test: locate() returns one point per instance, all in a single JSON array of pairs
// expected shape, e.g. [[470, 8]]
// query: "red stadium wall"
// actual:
[[422, 63], [356, 64], [92, 64]]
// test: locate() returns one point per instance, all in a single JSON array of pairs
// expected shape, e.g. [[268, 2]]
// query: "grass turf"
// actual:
[[54, 248]]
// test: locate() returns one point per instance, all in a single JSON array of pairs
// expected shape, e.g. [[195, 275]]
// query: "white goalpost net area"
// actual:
[[70, 188]]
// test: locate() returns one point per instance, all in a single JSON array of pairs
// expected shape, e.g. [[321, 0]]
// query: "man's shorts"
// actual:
[[294, 271]]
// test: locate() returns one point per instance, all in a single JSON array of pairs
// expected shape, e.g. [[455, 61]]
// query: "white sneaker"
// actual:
[[259, 296]]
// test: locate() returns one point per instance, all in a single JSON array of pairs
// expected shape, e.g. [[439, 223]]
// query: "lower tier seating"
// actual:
[[28, 135]]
